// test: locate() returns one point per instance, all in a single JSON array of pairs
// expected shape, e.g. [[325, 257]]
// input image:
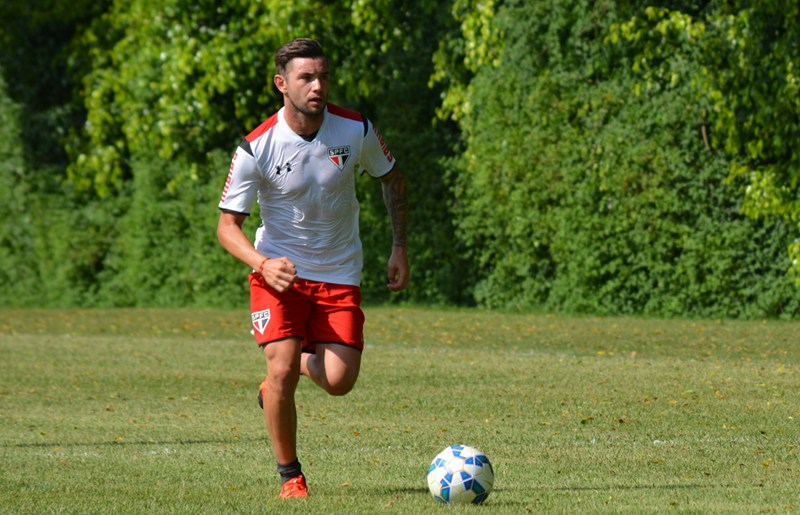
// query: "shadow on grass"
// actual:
[[122, 443], [691, 486], [498, 499], [583, 488]]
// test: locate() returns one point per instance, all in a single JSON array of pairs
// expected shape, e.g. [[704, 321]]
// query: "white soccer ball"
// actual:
[[460, 475]]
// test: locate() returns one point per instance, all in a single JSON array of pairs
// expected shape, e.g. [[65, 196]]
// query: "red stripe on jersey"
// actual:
[[264, 127], [345, 113]]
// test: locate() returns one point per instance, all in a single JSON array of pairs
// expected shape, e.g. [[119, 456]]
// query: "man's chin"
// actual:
[[315, 109], [311, 109]]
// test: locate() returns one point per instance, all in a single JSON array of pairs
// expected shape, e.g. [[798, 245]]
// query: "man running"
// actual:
[[300, 164]]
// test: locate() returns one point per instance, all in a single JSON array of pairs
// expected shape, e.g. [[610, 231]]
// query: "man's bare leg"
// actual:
[[334, 367], [280, 413]]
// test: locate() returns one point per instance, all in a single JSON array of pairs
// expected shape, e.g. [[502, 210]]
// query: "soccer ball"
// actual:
[[460, 475]]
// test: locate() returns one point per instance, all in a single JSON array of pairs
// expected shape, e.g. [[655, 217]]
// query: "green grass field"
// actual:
[[133, 411]]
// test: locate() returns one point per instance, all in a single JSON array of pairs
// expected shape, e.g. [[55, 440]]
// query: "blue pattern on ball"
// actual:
[[456, 449], [460, 474]]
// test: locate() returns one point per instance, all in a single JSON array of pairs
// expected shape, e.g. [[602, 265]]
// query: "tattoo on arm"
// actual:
[[394, 196]]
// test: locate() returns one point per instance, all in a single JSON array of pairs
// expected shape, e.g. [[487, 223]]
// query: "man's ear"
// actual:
[[280, 83]]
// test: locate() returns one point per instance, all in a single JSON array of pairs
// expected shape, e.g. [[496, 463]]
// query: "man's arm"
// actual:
[[396, 200], [279, 273]]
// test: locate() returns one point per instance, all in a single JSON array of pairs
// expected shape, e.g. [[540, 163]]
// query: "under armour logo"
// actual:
[[283, 168]]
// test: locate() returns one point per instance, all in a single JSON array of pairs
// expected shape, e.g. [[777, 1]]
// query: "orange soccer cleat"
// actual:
[[295, 487]]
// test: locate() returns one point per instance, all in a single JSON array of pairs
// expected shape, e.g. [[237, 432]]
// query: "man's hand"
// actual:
[[279, 273], [398, 269]]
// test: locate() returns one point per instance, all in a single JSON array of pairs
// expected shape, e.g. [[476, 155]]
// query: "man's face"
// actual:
[[305, 84]]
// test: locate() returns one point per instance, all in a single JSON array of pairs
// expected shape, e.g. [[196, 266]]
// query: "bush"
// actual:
[[586, 187], [18, 274], [166, 252]]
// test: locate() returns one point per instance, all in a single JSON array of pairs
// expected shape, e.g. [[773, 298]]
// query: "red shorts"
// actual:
[[315, 312]]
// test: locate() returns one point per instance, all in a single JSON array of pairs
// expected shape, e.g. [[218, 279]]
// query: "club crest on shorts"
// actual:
[[339, 156], [260, 320]]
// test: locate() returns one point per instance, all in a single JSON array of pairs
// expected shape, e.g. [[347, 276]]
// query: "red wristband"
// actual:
[[261, 266]]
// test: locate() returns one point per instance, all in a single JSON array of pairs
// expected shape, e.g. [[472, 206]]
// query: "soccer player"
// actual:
[[301, 165]]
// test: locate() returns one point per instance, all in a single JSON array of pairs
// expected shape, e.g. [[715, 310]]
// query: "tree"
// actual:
[[169, 95], [42, 247], [17, 273], [586, 181], [753, 81], [747, 84]]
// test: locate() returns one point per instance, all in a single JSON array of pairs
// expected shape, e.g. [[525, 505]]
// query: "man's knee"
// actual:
[[339, 388], [282, 376], [335, 368]]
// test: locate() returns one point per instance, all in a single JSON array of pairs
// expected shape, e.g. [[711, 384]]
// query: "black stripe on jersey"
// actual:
[[366, 126], [392, 169], [245, 145], [231, 212]]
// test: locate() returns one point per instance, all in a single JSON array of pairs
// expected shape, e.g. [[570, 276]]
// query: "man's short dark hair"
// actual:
[[300, 47]]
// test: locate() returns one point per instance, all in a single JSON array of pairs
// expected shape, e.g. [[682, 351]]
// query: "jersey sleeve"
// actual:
[[376, 158], [242, 184]]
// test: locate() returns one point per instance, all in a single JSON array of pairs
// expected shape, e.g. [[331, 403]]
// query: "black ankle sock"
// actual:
[[289, 471]]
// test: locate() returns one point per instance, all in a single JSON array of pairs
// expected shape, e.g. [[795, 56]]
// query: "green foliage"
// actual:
[[588, 184], [651, 227], [755, 89], [404, 107], [187, 81], [159, 256], [17, 272], [467, 47], [35, 45], [745, 59], [72, 237], [54, 239], [584, 156], [168, 95]]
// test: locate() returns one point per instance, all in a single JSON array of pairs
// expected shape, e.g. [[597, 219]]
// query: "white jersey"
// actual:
[[306, 191]]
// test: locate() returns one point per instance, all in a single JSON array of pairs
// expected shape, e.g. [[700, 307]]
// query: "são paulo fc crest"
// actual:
[[339, 156], [260, 320]]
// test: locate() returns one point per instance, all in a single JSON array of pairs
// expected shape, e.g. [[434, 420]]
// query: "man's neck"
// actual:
[[302, 124]]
